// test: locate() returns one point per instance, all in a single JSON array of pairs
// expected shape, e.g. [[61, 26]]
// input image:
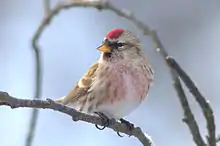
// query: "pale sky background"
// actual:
[[189, 29]]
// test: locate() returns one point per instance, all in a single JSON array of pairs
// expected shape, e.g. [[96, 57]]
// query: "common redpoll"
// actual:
[[117, 83]]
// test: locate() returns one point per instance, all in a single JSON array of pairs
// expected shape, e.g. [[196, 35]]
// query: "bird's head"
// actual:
[[120, 44]]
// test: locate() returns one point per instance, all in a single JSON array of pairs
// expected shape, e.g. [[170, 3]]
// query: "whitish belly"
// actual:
[[132, 88]]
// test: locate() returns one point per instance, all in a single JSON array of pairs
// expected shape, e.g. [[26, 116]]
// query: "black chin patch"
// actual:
[[108, 55]]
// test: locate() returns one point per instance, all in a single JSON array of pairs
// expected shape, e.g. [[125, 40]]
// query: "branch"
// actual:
[[204, 104], [176, 71], [189, 118], [46, 7], [6, 99], [100, 5], [218, 139], [188, 115]]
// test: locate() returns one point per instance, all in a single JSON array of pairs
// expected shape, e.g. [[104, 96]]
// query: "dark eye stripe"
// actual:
[[116, 44], [120, 44]]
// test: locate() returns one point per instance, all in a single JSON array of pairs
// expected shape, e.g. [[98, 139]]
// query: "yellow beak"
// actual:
[[104, 48]]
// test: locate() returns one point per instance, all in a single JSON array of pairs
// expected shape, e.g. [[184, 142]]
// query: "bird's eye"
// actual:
[[120, 44]]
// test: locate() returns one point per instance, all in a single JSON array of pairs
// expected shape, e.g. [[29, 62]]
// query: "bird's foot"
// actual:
[[105, 120], [129, 125]]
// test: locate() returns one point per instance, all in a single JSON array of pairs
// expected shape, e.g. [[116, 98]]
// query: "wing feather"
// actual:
[[82, 86]]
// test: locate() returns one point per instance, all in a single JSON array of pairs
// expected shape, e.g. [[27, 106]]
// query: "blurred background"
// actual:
[[189, 29]]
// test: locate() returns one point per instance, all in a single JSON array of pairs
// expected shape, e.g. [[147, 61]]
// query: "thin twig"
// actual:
[[188, 116], [204, 104], [6, 99], [218, 139], [46, 7], [38, 78], [100, 5]]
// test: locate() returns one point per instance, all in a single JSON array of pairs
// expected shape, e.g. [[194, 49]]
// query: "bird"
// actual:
[[117, 83]]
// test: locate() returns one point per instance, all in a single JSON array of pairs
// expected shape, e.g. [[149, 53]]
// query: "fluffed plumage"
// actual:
[[118, 82]]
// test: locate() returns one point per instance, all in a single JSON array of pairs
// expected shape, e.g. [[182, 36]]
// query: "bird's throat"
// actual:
[[107, 55]]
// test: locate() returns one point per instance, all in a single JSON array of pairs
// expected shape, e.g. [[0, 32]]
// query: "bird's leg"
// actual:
[[129, 125], [105, 120]]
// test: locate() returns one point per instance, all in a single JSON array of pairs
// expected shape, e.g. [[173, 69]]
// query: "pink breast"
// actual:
[[140, 82], [128, 80]]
